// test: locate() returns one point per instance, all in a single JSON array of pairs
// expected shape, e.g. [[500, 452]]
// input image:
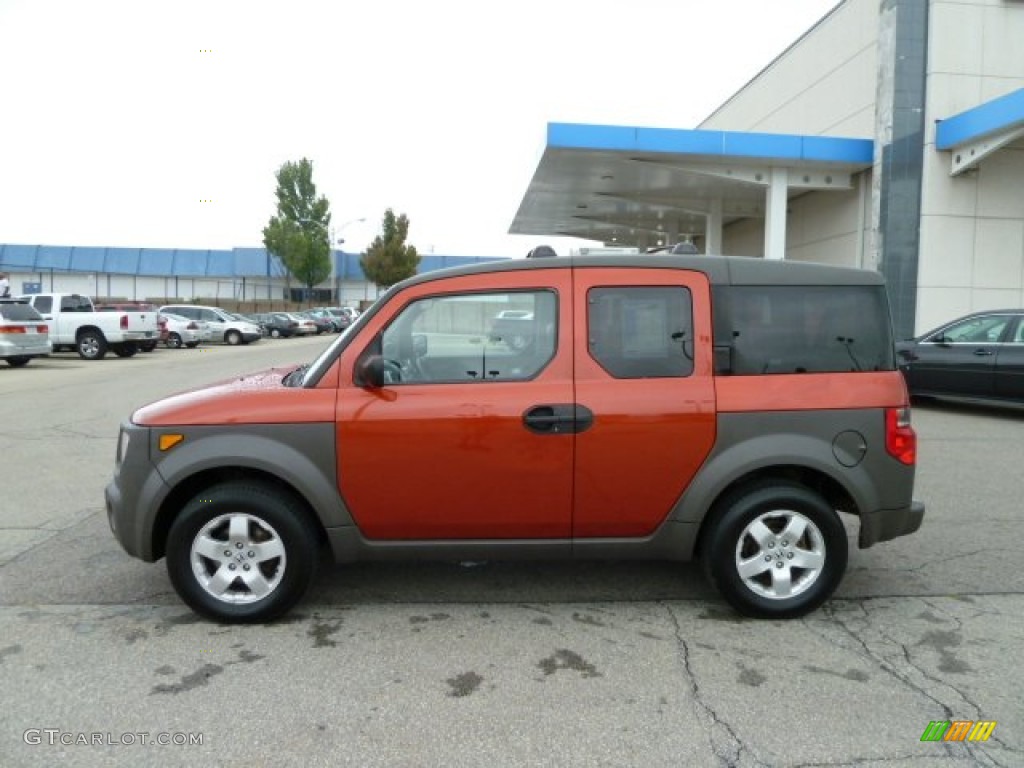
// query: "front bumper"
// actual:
[[887, 524]]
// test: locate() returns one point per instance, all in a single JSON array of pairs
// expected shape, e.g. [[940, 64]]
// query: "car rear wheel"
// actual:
[[241, 552], [174, 341], [234, 338], [275, 333], [18, 361], [775, 551], [126, 349]]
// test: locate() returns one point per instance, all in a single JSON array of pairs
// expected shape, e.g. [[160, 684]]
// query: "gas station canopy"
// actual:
[[651, 186]]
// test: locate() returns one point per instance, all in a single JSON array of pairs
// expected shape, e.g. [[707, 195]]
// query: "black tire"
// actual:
[[192, 344], [778, 505], [91, 345], [18, 361], [174, 341], [127, 349], [147, 346], [234, 338], [268, 517]]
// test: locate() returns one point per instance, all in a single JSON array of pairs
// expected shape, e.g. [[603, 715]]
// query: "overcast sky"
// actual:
[[147, 123]]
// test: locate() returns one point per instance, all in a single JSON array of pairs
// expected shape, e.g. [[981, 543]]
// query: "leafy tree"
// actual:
[[299, 235], [389, 260]]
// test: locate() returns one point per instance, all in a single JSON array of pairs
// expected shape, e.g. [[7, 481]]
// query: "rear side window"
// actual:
[[640, 332], [44, 303], [804, 329], [18, 312]]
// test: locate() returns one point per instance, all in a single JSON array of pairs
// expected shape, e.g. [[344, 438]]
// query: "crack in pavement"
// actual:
[[887, 665], [728, 754]]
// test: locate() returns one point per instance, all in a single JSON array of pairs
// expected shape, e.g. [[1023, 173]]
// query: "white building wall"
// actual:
[[972, 225], [824, 84]]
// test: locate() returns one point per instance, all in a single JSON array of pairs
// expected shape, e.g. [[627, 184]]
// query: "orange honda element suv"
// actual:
[[651, 406]]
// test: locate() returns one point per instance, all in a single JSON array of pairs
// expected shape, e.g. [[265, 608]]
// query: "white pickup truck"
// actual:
[[75, 324]]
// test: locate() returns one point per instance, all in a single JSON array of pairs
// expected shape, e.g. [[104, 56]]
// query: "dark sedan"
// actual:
[[977, 356]]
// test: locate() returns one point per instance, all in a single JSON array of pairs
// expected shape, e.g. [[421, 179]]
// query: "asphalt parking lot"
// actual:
[[490, 664]]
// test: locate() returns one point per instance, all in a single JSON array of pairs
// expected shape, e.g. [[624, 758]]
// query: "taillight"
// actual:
[[900, 438], [12, 329], [124, 322], [43, 329]]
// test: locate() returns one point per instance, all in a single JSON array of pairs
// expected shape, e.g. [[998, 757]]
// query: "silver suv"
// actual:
[[223, 325]]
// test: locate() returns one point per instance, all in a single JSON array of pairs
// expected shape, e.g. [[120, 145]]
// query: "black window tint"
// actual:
[[641, 332], [75, 303], [807, 329], [44, 303], [977, 330], [508, 336]]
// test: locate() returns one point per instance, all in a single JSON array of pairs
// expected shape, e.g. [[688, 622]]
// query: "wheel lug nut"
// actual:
[[231, 566], [238, 545], [245, 567], [779, 564], [227, 553], [771, 543], [785, 543], [790, 555], [767, 558], [252, 554]]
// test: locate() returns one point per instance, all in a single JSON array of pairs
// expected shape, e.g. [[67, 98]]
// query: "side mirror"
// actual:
[[370, 372]]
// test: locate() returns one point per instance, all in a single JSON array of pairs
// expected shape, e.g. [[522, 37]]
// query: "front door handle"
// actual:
[[983, 352], [558, 419]]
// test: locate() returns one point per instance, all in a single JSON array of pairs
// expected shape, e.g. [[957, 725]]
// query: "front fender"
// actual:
[[301, 455]]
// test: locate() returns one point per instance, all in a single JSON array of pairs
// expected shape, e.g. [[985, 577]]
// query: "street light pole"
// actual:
[[335, 283]]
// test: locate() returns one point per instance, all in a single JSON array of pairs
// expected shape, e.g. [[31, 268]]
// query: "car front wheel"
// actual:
[[775, 551], [241, 552], [234, 338]]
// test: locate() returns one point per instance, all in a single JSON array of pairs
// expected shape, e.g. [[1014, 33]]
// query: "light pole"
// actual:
[[335, 282], [332, 240]]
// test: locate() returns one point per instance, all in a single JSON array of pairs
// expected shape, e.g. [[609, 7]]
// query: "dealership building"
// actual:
[[890, 136]]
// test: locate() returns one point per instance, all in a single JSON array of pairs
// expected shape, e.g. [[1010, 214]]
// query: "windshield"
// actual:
[[312, 372]]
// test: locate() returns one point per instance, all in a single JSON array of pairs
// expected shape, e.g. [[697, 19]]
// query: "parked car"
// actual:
[[75, 324], [304, 325], [139, 306], [669, 407], [323, 322], [278, 325], [978, 356], [181, 331], [513, 327], [343, 317], [23, 333], [223, 325]]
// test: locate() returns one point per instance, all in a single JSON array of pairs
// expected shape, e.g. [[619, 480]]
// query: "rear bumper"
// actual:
[[887, 524]]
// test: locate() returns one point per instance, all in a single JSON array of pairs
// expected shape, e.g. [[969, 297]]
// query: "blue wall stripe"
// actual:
[[999, 114], [723, 144], [185, 262]]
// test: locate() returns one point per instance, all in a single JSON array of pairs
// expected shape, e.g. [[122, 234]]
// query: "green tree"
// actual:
[[299, 234], [389, 260]]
